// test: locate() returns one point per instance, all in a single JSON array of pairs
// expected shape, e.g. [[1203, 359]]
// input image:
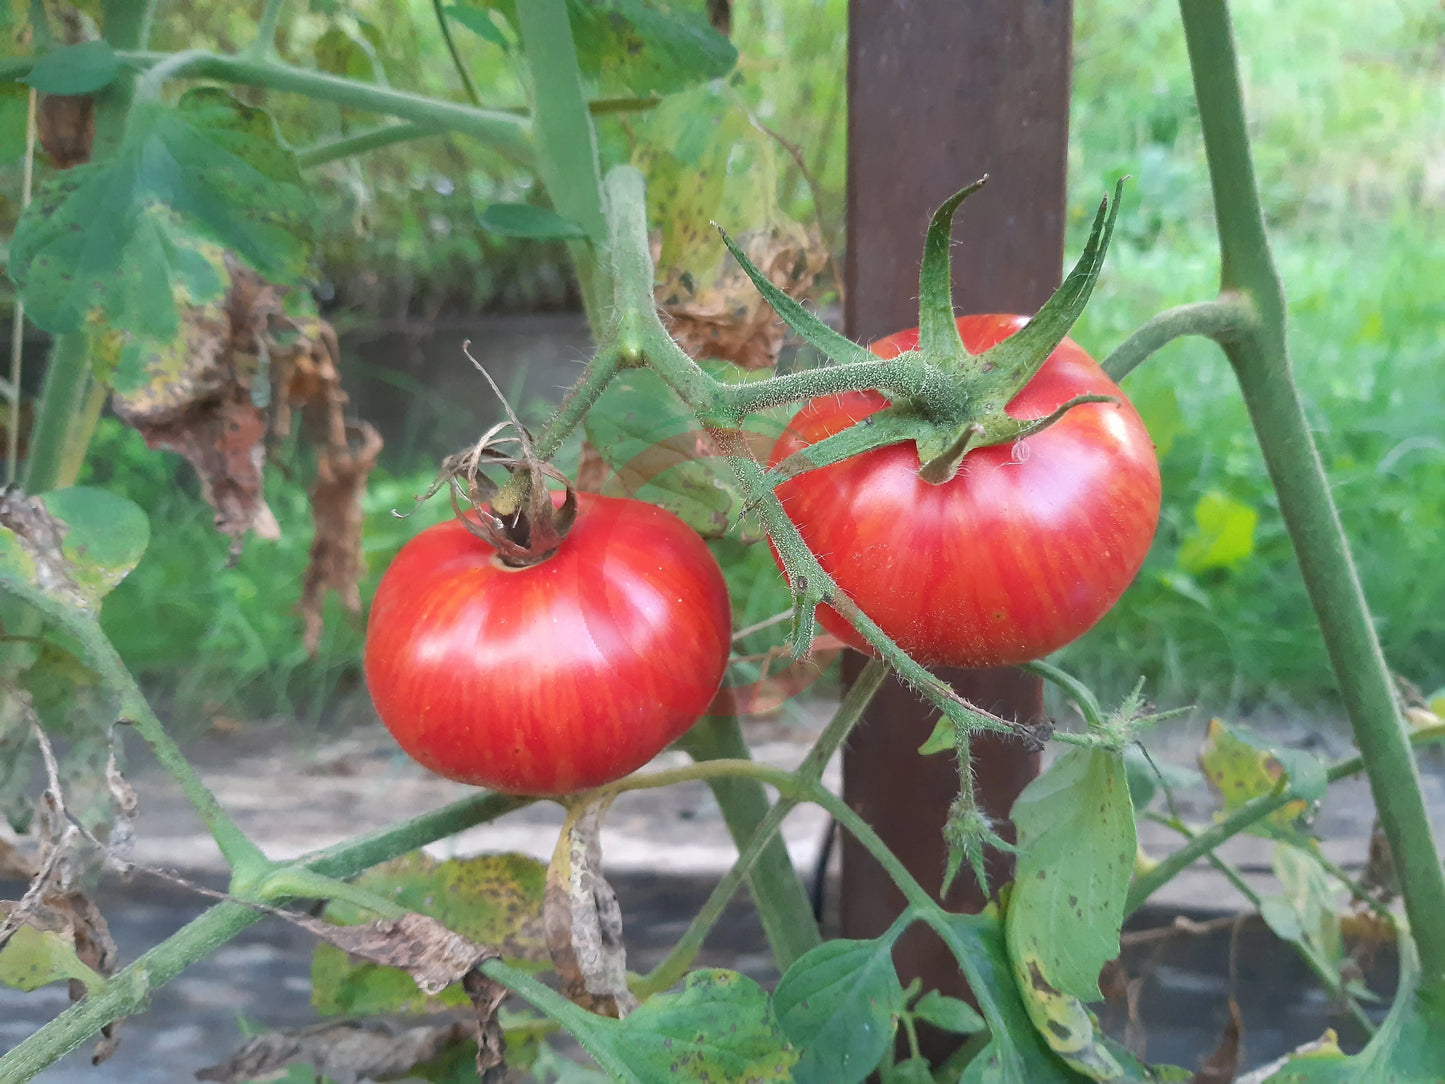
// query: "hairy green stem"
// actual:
[[1219, 319], [566, 144], [1260, 359], [265, 42], [506, 133], [854, 702], [782, 901], [1082, 696]]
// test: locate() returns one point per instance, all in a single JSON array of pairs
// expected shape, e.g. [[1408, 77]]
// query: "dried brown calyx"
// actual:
[[521, 518]]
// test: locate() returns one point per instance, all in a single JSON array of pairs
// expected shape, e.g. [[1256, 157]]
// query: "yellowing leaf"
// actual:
[[1223, 534]]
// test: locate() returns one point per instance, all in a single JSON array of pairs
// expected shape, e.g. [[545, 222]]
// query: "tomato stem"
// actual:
[[1219, 319], [1259, 356], [849, 712], [782, 901]]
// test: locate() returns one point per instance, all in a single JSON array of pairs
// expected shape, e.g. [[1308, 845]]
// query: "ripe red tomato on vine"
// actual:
[[1019, 553], [554, 677]]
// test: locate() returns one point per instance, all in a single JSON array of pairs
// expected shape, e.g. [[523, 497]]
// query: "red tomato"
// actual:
[[1021, 552], [556, 677]]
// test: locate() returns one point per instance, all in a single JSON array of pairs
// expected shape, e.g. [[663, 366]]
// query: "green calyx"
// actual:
[[946, 400]]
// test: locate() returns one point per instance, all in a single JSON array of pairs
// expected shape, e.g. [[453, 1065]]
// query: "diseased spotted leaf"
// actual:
[[126, 238]]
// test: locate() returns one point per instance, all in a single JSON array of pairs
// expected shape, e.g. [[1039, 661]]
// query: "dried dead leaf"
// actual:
[[336, 562], [198, 395], [66, 126], [583, 919], [434, 957], [14, 865], [239, 371], [348, 1052], [728, 319], [1222, 1066]]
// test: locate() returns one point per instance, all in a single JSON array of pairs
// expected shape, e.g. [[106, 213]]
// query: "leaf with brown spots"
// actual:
[[583, 920], [494, 900]]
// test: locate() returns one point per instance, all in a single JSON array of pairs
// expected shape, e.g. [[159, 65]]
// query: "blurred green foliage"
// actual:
[[1350, 151], [1349, 143]]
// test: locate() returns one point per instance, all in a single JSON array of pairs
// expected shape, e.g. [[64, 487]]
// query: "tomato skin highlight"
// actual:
[[557, 677], [1020, 553]]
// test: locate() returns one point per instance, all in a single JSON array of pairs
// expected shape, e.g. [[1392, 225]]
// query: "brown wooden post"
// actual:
[[941, 92]]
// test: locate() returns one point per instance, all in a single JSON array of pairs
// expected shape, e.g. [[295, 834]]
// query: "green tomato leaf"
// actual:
[[74, 544], [127, 238], [1307, 911], [719, 1027], [647, 46], [491, 899], [659, 452], [1240, 768], [839, 1005], [532, 223], [1076, 855], [1405, 1050], [342, 53], [479, 22], [14, 115], [1016, 1052], [75, 69], [34, 958], [948, 1013], [1222, 536]]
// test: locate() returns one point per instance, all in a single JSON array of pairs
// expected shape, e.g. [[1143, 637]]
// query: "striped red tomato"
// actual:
[[554, 677], [1020, 553]]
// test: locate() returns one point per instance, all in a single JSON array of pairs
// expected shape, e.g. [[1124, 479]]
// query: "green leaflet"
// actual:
[[1076, 855], [126, 238]]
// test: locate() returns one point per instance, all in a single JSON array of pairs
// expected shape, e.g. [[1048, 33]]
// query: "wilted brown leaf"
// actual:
[[728, 318], [336, 562], [583, 919], [66, 126], [346, 1052], [239, 371], [434, 957], [198, 397], [1223, 1065]]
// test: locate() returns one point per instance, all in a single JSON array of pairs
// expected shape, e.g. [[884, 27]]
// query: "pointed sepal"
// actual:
[[825, 340], [891, 425], [938, 336], [1012, 363]]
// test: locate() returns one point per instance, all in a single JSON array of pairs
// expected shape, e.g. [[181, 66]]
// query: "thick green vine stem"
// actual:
[[783, 906], [855, 701], [566, 144], [1260, 358], [506, 133], [1220, 319]]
